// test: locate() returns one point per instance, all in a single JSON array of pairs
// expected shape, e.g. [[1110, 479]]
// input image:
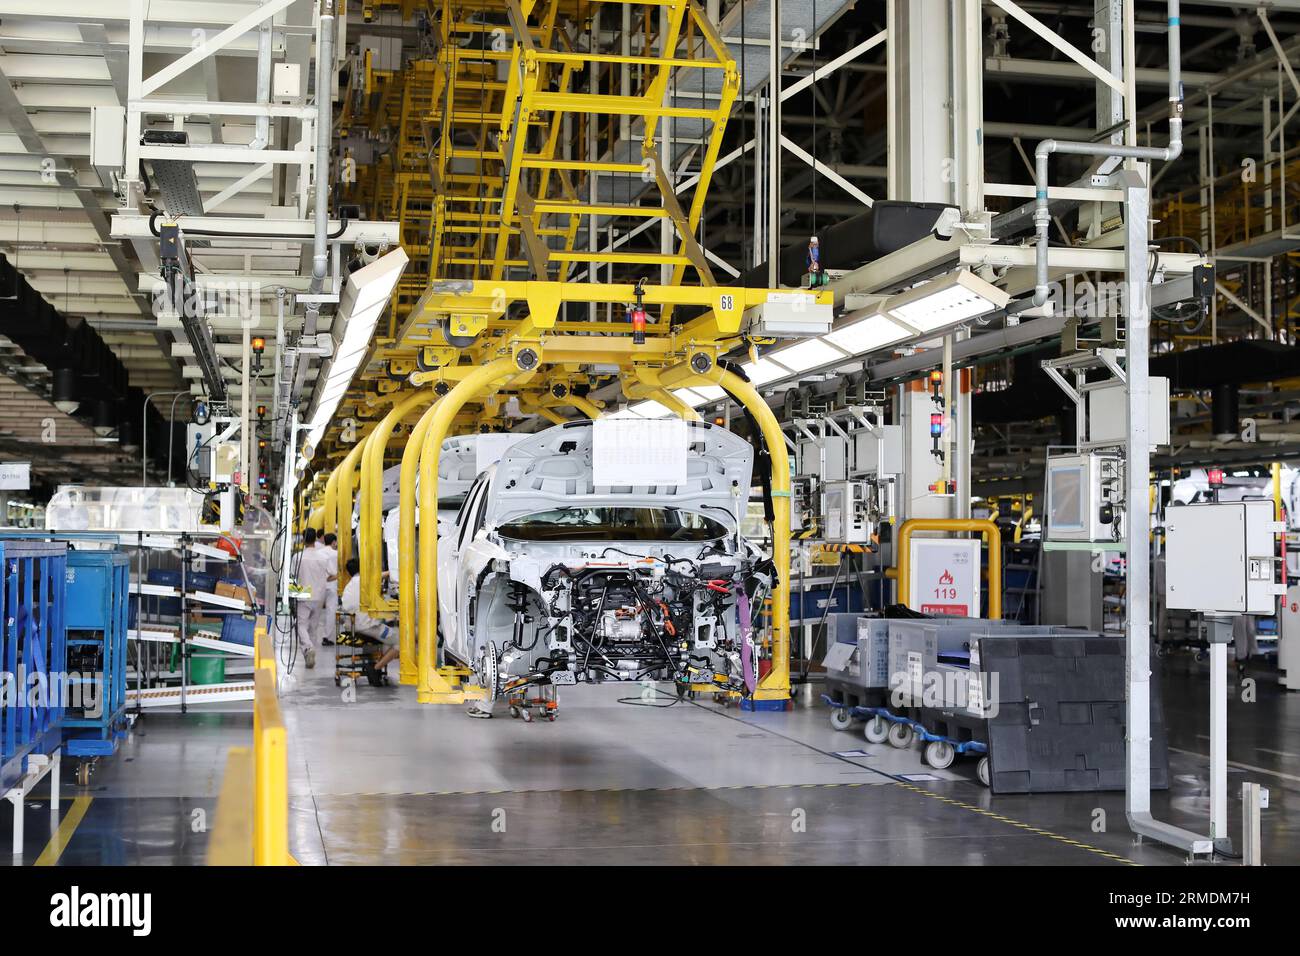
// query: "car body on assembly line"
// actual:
[[548, 579]]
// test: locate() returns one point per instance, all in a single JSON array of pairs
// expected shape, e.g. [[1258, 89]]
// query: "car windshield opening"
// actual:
[[600, 523]]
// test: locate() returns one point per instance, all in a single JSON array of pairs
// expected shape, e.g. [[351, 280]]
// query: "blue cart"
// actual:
[[97, 610], [33, 663]]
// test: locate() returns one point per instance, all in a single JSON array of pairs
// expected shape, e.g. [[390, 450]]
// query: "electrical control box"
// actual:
[[1220, 557], [878, 451], [832, 466], [1085, 496], [107, 136], [846, 513], [1108, 413], [789, 315], [225, 462], [286, 81], [198, 460]]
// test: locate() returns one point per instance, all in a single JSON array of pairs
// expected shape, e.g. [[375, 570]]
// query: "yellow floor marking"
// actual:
[[1022, 826], [63, 835]]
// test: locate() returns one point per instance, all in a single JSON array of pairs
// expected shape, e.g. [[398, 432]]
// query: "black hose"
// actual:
[[1184, 239], [1170, 315]]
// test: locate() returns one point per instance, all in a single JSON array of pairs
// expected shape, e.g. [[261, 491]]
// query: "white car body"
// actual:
[[457, 469], [519, 571]]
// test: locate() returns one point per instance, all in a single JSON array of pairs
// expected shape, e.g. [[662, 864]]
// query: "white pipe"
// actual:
[[262, 134], [324, 129], [1043, 216]]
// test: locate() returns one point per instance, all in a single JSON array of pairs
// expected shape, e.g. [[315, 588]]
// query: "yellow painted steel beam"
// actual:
[[370, 540], [776, 684], [430, 686], [345, 485], [585, 405]]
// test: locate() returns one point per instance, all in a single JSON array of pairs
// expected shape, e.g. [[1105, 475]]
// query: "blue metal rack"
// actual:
[[98, 585], [33, 653]]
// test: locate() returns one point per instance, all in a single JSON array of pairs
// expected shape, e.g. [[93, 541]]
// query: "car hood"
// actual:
[[553, 469]]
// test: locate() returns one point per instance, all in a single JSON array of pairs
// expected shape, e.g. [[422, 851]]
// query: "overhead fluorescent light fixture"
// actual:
[[947, 301], [765, 370], [367, 292], [875, 331], [651, 409], [809, 354], [709, 393]]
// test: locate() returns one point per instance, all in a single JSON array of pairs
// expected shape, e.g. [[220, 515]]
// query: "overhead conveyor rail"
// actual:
[[502, 135]]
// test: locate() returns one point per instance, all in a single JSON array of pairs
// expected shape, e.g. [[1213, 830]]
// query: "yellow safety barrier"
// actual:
[[776, 684], [252, 816], [270, 775], [231, 842], [406, 557]]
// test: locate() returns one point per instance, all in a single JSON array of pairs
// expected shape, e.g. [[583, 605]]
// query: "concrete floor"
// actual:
[[384, 780]]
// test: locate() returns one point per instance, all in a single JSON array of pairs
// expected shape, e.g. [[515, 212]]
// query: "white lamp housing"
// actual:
[[367, 292]]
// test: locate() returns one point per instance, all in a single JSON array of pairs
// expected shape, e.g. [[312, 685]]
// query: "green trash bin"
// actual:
[[207, 667]]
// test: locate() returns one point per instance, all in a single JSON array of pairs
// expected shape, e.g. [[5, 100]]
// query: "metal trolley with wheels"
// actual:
[[856, 664], [531, 701], [98, 588], [356, 655], [882, 725]]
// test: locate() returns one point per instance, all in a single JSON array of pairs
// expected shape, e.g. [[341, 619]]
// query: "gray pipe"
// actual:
[[324, 130], [1043, 217], [144, 433], [262, 136]]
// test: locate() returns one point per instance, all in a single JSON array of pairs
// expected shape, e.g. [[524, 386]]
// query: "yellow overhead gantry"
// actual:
[[501, 144]]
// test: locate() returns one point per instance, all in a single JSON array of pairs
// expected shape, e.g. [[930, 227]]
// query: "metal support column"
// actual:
[[1219, 737], [1137, 627]]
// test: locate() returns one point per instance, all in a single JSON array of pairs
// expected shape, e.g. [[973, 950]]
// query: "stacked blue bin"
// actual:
[[96, 617], [33, 652]]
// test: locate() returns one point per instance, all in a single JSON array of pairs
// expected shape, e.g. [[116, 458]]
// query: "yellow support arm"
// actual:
[[370, 534], [406, 590], [430, 686], [344, 500], [776, 685]]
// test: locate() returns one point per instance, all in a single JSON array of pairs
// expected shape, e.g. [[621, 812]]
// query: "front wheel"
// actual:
[[841, 719], [900, 736], [876, 730], [982, 770], [939, 754]]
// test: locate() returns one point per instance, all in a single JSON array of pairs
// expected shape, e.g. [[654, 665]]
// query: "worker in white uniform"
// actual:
[[329, 545], [392, 523], [362, 623], [314, 575]]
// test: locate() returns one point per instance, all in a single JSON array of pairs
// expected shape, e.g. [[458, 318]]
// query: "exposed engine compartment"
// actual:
[[642, 618]]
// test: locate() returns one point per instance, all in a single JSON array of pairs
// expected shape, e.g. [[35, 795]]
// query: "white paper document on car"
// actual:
[[627, 451]]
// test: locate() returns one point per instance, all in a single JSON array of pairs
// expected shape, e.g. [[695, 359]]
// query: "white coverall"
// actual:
[[363, 623], [331, 560], [314, 576]]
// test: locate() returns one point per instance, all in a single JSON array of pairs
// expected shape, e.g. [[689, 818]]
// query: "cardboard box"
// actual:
[[226, 589]]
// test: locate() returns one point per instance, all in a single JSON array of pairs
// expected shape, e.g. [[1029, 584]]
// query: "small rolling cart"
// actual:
[[356, 655]]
